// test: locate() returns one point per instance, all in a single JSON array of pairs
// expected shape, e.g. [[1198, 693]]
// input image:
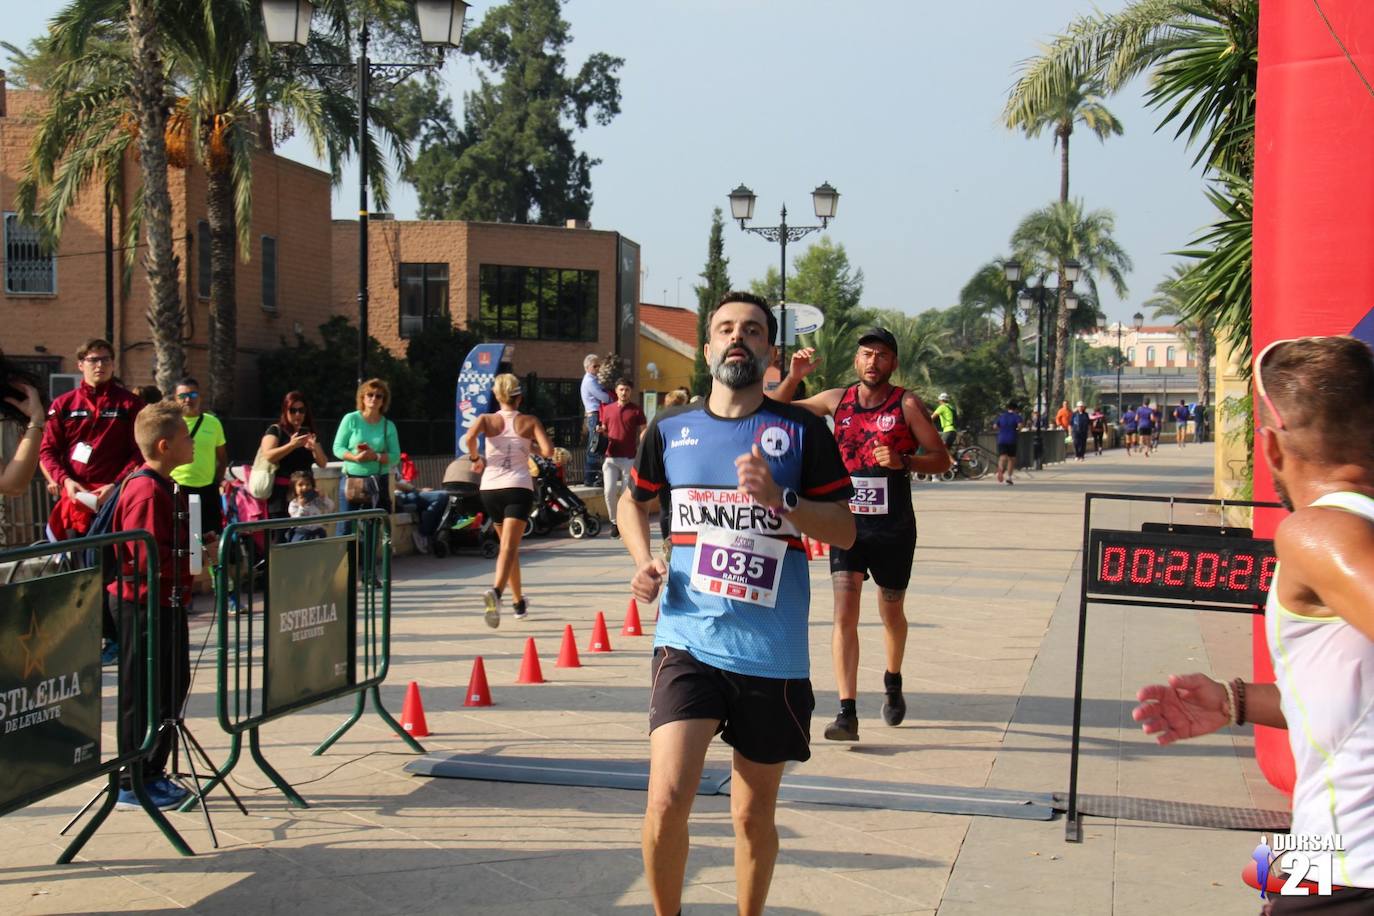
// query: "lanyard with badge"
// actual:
[[741, 566]]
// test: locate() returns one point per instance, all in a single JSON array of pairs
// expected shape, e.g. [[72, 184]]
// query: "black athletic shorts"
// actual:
[[1348, 901], [766, 719], [883, 555], [1147, 430], [509, 502], [1008, 450]]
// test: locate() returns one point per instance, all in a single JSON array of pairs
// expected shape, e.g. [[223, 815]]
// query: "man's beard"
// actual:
[[882, 380], [737, 375], [1282, 493]]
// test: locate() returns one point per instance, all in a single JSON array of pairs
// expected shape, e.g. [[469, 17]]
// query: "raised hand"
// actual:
[[1189, 706], [803, 362], [756, 480], [648, 579], [31, 404]]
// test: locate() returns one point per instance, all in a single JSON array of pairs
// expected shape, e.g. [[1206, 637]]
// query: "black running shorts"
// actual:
[[510, 502], [884, 556], [768, 720], [1008, 450]]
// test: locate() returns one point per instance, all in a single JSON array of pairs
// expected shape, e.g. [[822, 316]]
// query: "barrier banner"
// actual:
[[310, 622], [49, 681]]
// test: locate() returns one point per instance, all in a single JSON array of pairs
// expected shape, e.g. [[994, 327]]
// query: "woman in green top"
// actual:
[[368, 445]]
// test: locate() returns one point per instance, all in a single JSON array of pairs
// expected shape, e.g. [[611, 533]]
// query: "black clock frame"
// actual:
[[1226, 542]]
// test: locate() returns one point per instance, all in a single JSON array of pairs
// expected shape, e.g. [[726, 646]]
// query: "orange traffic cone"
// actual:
[[567, 656], [601, 641], [632, 627], [413, 713], [479, 694], [530, 672]]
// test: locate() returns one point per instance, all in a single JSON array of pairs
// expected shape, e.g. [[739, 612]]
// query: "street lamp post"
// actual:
[[1137, 322], [287, 22], [824, 200], [1068, 275]]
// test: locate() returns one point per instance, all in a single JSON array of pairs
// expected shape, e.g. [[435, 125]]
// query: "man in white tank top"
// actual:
[[1311, 394]]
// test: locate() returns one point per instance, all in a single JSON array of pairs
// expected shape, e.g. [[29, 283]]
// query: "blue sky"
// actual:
[[894, 103]]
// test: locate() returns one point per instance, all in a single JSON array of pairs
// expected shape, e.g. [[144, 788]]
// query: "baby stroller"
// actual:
[[463, 523], [555, 504]]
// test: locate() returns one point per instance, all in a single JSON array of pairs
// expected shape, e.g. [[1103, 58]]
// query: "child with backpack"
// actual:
[[146, 499]]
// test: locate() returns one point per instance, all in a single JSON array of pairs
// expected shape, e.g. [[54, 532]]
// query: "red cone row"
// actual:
[[531, 672]]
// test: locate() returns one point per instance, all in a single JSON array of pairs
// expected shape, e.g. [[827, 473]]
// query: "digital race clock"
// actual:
[[1186, 566]]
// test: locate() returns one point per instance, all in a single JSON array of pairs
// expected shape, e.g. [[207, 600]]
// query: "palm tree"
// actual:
[[1062, 232], [220, 82], [1078, 100], [835, 343], [920, 344], [1171, 299], [988, 291]]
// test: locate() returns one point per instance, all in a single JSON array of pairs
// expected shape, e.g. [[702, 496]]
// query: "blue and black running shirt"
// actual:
[[739, 589]]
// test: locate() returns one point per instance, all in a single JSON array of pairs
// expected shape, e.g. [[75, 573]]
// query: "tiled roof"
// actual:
[[680, 324]]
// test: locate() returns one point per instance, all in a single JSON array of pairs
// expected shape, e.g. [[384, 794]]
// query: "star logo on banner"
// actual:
[[33, 657]]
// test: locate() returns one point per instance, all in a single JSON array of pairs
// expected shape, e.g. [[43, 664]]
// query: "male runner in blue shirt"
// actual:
[[748, 477]]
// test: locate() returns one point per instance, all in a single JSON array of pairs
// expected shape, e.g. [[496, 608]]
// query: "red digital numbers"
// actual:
[[1267, 570], [1176, 567], [1242, 568], [1205, 569], [1113, 564], [1139, 577]]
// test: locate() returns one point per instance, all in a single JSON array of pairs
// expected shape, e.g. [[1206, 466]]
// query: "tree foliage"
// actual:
[[715, 284], [328, 373], [1077, 100], [512, 159]]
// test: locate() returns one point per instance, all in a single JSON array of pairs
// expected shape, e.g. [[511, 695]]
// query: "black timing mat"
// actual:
[[1187, 814], [816, 790]]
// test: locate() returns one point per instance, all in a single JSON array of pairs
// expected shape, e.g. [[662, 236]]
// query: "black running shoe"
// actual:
[[894, 707], [844, 728], [615, 530]]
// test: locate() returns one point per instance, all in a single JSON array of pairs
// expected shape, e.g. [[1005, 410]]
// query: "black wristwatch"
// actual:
[[790, 501]]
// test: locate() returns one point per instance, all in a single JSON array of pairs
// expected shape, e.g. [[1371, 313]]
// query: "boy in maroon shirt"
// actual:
[[147, 501]]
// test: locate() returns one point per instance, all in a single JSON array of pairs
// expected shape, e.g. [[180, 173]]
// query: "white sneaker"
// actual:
[[520, 609], [492, 600], [420, 541]]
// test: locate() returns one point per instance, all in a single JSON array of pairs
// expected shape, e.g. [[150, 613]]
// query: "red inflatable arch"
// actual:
[[1314, 214]]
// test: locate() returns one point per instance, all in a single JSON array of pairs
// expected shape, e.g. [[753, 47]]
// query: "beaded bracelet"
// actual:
[[1238, 689], [1231, 703]]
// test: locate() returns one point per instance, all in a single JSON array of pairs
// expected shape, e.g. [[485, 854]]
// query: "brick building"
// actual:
[[555, 293], [52, 301]]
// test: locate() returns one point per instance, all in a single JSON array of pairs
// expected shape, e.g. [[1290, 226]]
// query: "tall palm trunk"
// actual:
[[1060, 361], [1011, 330], [148, 90], [219, 214], [1205, 348], [1061, 314]]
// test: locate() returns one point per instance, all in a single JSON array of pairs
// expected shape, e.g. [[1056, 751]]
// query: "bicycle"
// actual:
[[970, 460]]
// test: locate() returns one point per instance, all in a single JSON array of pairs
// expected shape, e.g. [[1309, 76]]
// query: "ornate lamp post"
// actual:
[[824, 200], [287, 23], [1068, 274]]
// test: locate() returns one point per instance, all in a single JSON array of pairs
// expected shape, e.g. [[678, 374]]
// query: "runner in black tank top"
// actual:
[[878, 428]]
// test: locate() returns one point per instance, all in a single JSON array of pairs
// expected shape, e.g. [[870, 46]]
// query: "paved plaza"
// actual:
[[989, 680]]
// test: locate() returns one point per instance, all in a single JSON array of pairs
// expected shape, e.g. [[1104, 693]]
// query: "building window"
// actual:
[[1130, 355], [424, 297], [203, 259], [538, 303], [1169, 356], [29, 265], [554, 397], [1149, 356], [269, 273]]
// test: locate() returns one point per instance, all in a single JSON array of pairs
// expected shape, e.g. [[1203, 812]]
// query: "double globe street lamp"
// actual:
[[1069, 272], [824, 200], [1137, 322], [287, 23]]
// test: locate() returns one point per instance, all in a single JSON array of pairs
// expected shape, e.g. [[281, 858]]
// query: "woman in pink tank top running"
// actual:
[[507, 487]]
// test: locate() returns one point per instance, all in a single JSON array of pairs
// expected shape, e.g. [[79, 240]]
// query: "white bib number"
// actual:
[[739, 566], [870, 496]]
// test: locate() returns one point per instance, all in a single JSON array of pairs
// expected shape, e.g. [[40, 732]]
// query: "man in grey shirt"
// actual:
[[593, 396]]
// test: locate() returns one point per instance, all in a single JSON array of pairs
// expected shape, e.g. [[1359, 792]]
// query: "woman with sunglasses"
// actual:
[[368, 444], [291, 445]]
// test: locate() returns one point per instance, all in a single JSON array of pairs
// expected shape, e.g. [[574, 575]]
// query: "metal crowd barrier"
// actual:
[[297, 629], [50, 678]]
